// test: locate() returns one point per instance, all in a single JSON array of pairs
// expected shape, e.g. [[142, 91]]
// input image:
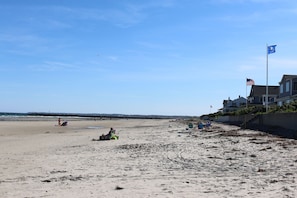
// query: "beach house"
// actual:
[[258, 95], [233, 105], [287, 89]]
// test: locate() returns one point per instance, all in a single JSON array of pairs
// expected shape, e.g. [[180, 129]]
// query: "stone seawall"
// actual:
[[282, 124]]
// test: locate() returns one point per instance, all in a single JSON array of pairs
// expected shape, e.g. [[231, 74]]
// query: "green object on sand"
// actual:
[[109, 137], [190, 125], [114, 137]]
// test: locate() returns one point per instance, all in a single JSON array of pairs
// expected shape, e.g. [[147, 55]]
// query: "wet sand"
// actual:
[[152, 158]]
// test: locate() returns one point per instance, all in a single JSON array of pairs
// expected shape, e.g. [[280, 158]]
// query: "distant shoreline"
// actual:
[[32, 115]]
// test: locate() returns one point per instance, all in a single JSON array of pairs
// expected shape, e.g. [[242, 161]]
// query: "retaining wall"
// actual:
[[283, 124]]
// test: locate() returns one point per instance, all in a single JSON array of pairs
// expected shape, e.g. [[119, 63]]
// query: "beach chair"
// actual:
[[64, 124], [208, 124], [190, 125], [200, 125], [109, 137]]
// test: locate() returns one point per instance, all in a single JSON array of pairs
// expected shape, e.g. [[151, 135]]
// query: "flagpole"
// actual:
[[246, 93], [266, 97]]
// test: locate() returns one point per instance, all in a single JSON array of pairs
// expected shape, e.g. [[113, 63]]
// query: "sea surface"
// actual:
[[32, 115]]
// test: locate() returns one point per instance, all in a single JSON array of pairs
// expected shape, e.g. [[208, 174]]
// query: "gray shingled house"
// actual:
[[287, 89], [258, 95]]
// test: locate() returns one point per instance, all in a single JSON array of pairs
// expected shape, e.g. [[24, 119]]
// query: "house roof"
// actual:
[[287, 77], [259, 90]]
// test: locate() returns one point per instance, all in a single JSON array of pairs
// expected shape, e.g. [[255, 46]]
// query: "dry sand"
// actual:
[[152, 158]]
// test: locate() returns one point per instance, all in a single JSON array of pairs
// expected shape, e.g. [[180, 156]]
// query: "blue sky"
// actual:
[[168, 57]]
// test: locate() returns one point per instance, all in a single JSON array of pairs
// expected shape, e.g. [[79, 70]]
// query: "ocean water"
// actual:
[[5, 114]]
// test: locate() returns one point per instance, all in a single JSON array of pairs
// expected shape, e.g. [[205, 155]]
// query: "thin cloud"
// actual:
[[247, 67], [20, 38], [152, 45], [126, 15], [23, 44], [285, 63], [257, 16], [245, 1], [55, 66], [113, 58], [58, 24], [151, 4], [132, 14]]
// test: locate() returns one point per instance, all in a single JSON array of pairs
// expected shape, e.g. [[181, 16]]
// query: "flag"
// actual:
[[250, 81], [271, 49]]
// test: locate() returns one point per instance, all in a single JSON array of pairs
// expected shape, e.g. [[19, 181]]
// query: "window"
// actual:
[[287, 86], [295, 86], [281, 88]]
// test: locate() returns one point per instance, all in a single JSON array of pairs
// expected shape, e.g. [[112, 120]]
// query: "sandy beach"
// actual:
[[152, 158]]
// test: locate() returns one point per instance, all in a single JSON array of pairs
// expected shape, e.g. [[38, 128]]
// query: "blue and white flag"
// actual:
[[271, 49]]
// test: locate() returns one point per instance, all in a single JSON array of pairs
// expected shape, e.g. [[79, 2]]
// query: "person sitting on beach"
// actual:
[[62, 124], [111, 135], [111, 132]]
